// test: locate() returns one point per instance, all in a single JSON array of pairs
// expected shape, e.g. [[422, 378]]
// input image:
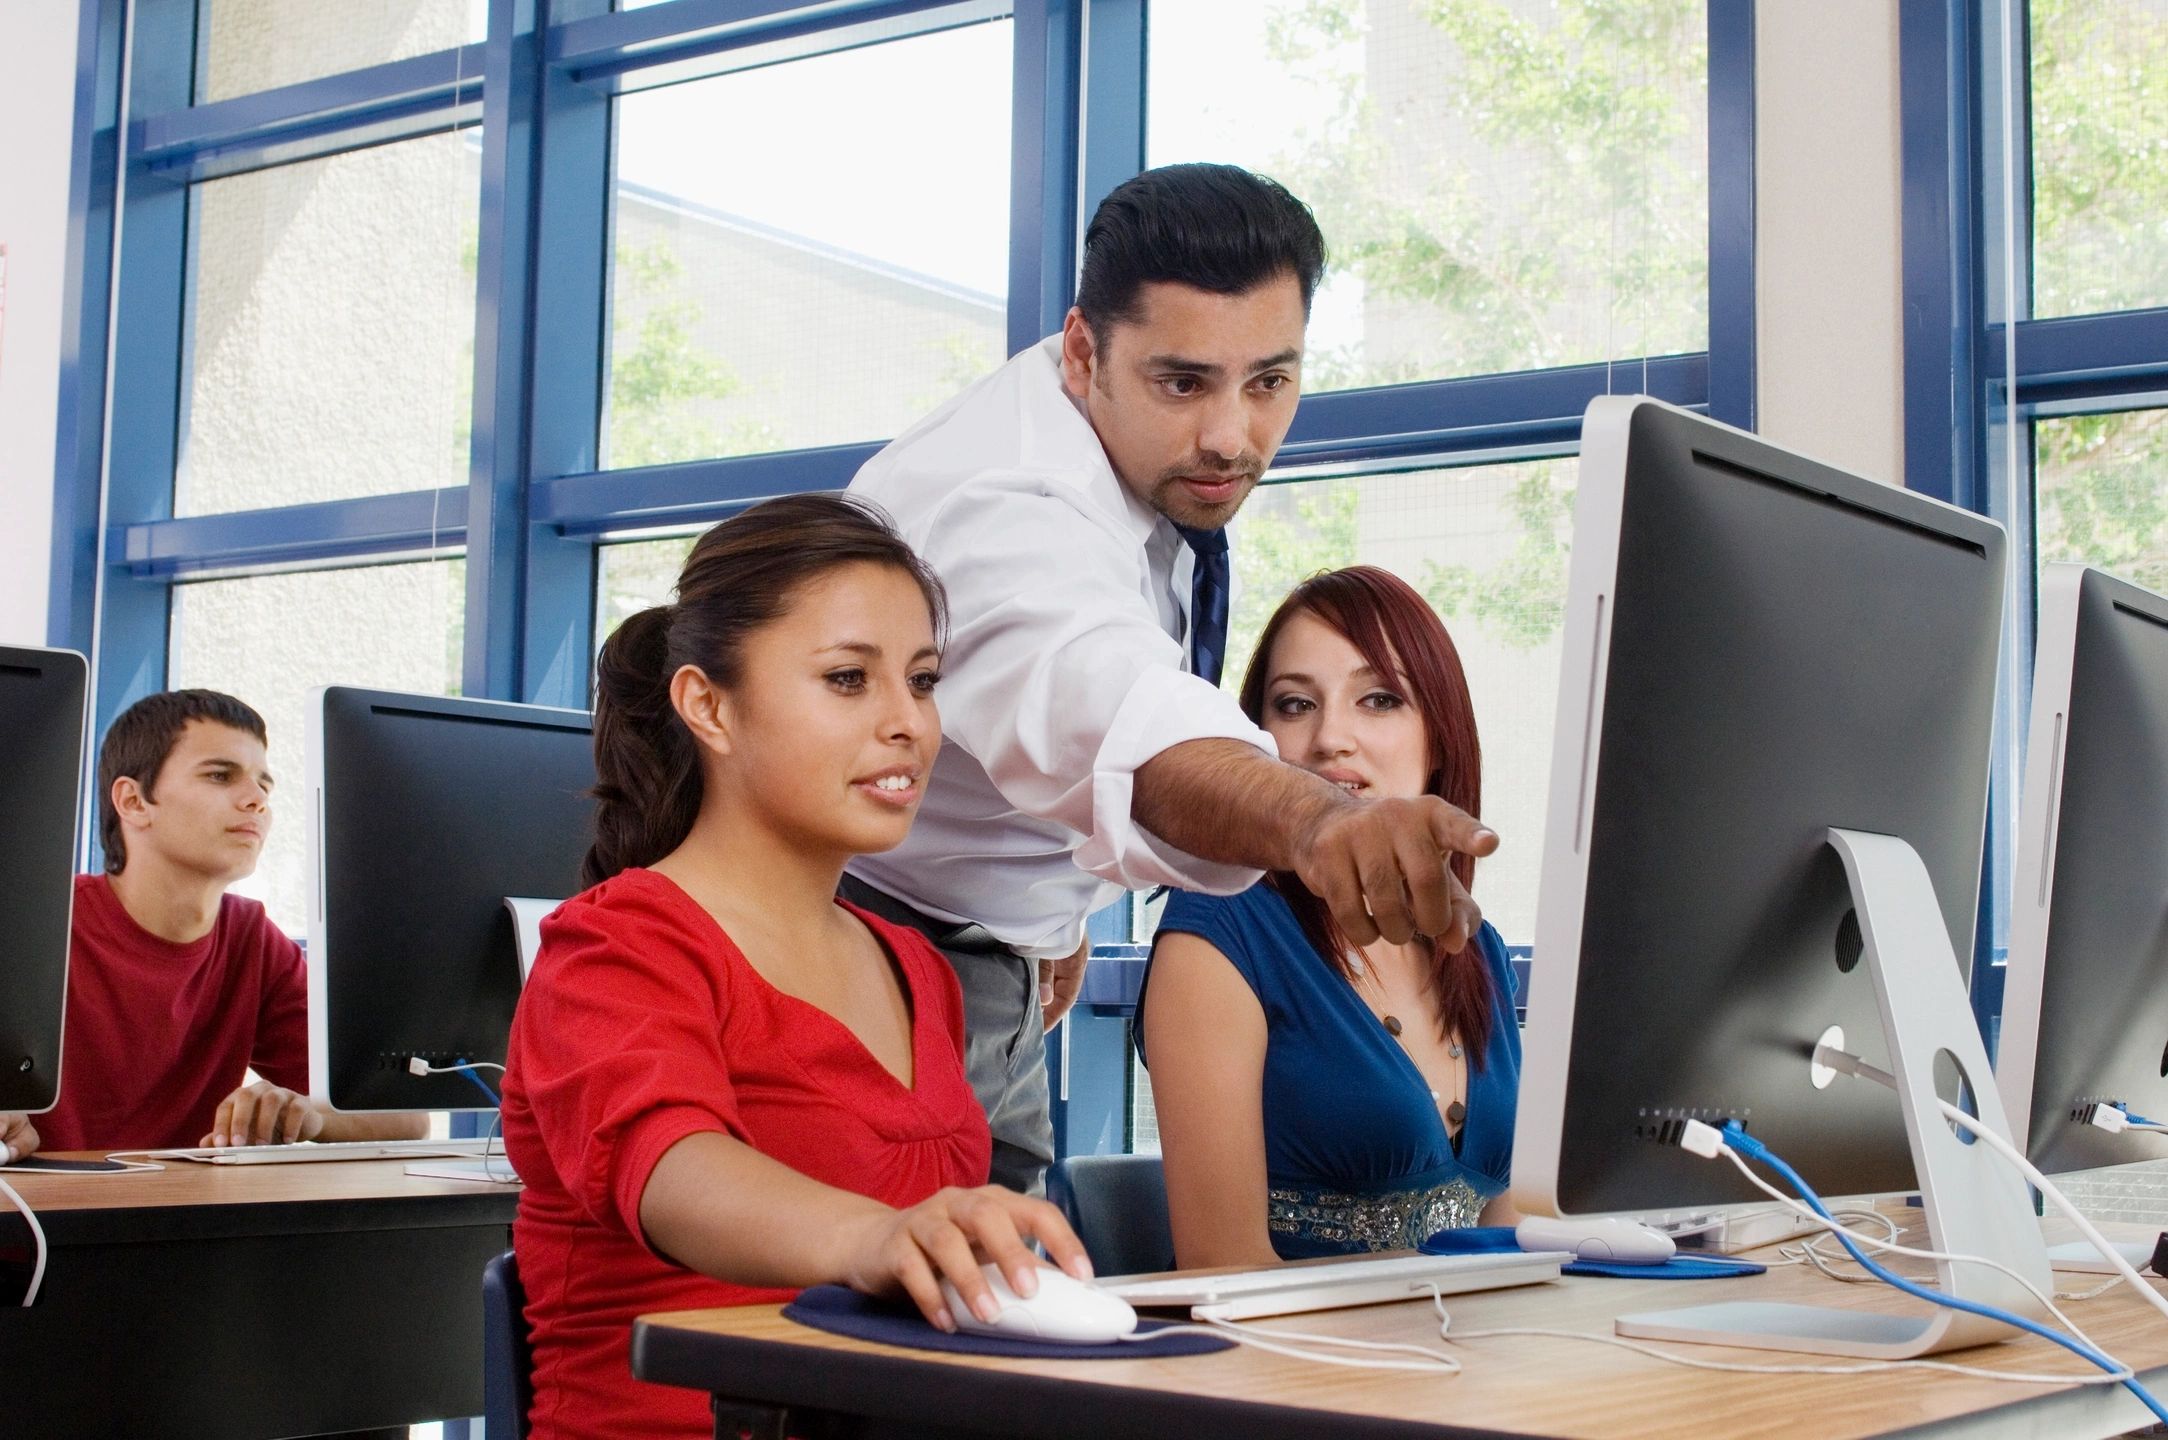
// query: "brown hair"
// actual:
[[139, 742], [1399, 636], [740, 576]]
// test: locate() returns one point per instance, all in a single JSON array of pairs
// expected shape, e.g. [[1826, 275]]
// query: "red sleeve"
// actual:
[[620, 1050], [280, 1052]]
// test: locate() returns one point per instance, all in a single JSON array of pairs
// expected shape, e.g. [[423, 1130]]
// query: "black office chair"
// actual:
[[507, 1357], [1117, 1204]]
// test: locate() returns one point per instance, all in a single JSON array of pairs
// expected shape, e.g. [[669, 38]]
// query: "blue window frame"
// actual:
[[1980, 369], [536, 502]]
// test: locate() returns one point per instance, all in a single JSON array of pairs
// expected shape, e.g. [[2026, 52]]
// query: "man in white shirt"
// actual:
[[1074, 504]]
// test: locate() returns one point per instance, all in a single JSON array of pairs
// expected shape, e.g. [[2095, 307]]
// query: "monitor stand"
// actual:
[[527, 917], [1975, 1203]]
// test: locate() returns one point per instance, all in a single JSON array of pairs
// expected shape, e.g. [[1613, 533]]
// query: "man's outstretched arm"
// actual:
[[1379, 865]]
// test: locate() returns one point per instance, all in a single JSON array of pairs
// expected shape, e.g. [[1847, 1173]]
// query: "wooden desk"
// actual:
[[1511, 1386], [248, 1300]]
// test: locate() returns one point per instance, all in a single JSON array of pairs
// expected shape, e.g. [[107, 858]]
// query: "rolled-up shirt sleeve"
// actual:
[[1058, 678]]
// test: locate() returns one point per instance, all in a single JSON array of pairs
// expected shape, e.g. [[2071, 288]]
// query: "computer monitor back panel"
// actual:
[[430, 814], [42, 698], [2085, 1008], [1757, 648]]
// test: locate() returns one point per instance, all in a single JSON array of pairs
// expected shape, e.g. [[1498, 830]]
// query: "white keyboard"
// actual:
[[1295, 1289], [316, 1150]]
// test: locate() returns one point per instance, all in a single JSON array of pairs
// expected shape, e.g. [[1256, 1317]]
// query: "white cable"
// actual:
[[1811, 1252], [489, 1170], [1865, 1367], [2093, 1294], [37, 1235], [1433, 1362], [1892, 1248], [418, 1066], [2061, 1202]]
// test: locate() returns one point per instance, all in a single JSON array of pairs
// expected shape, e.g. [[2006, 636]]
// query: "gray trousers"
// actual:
[[1004, 1038]]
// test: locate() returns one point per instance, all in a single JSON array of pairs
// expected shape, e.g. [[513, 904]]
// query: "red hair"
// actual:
[[1398, 635]]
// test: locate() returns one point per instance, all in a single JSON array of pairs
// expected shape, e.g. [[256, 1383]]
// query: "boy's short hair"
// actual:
[[139, 742], [1217, 228]]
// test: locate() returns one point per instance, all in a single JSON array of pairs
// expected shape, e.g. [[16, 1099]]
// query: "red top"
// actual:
[[159, 1033], [643, 1024]]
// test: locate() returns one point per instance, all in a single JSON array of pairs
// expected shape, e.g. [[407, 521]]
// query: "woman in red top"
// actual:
[[724, 1084]]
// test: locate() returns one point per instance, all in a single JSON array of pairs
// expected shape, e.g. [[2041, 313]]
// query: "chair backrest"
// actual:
[[507, 1358], [1117, 1204]]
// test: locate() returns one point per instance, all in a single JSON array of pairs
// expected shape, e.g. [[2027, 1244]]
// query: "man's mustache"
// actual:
[[1243, 468]]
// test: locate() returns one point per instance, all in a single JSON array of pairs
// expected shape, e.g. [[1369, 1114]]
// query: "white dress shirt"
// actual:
[[1067, 665]]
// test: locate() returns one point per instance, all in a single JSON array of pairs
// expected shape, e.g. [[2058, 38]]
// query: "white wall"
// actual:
[[1828, 224], [37, 97]]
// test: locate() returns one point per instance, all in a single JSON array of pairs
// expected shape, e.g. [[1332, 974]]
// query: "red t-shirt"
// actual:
[[643, 1024], [159, 1033]]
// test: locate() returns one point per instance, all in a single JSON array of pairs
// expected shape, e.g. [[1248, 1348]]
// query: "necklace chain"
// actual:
[[1456, 1111]]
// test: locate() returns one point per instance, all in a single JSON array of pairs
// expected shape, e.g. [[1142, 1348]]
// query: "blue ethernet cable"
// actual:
[[1753, 1149], [466, 1068]]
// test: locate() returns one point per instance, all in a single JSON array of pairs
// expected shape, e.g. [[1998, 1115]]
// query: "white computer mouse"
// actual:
[[1622, 1242], [1066, 1310]]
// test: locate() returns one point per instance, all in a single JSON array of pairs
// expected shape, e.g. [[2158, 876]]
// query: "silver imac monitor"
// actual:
[[429, 816], [1766, 820], [43, 697], [2085, 998]]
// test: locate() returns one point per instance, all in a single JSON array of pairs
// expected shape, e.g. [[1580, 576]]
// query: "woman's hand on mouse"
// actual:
[[944, 1237]]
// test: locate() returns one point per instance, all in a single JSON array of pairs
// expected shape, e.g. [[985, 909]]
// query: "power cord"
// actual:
[[2055, 1197], [1734, 1143], [418, 1066], [1692, 1362], [37, 1236], [1432, 1362]]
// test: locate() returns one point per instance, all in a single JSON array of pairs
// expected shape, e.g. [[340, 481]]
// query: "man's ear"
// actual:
[[705, 708], [131, 802], [1079, 353]]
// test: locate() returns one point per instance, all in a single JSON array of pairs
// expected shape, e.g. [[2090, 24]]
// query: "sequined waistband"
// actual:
[[1386, 1220]]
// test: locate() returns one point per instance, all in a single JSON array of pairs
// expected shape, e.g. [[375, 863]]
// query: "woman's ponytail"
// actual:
[[647, 773]]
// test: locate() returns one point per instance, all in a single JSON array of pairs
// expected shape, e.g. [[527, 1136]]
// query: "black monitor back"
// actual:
[[430, 812], [42, 718], [2086, 1002], [1761, 647]]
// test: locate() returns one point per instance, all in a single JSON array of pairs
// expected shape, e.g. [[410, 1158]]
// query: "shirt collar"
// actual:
[[1142, 520]]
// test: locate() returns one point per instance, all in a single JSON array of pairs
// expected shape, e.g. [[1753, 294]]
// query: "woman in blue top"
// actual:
[[1316, 1098]]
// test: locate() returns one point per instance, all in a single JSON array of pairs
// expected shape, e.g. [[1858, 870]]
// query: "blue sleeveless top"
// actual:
[[1356, 1154]]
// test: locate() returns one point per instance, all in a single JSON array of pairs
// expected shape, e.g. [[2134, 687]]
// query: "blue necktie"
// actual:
[[1208, 596]]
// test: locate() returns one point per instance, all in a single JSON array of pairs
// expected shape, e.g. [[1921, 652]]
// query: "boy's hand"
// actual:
[[264, 1114]]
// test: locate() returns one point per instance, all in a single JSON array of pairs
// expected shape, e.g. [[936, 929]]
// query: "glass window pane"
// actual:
[[1488, 547], [831, 283], [2102, 493], [270, 639], [331, 328], [1502, 185], [632, 575], [2099, 155], [262, 44]]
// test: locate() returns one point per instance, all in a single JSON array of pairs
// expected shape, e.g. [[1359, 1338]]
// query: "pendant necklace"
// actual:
[[1455, 1112]]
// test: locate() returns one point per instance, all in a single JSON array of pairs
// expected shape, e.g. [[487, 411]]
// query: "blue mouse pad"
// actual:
[[843, 1311], [1490, 1239]]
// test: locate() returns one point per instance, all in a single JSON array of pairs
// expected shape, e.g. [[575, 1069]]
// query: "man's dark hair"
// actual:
[[139, 742], [1217, 228]]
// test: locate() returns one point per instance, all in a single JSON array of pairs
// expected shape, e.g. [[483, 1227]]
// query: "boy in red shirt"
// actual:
[[175, 987]]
